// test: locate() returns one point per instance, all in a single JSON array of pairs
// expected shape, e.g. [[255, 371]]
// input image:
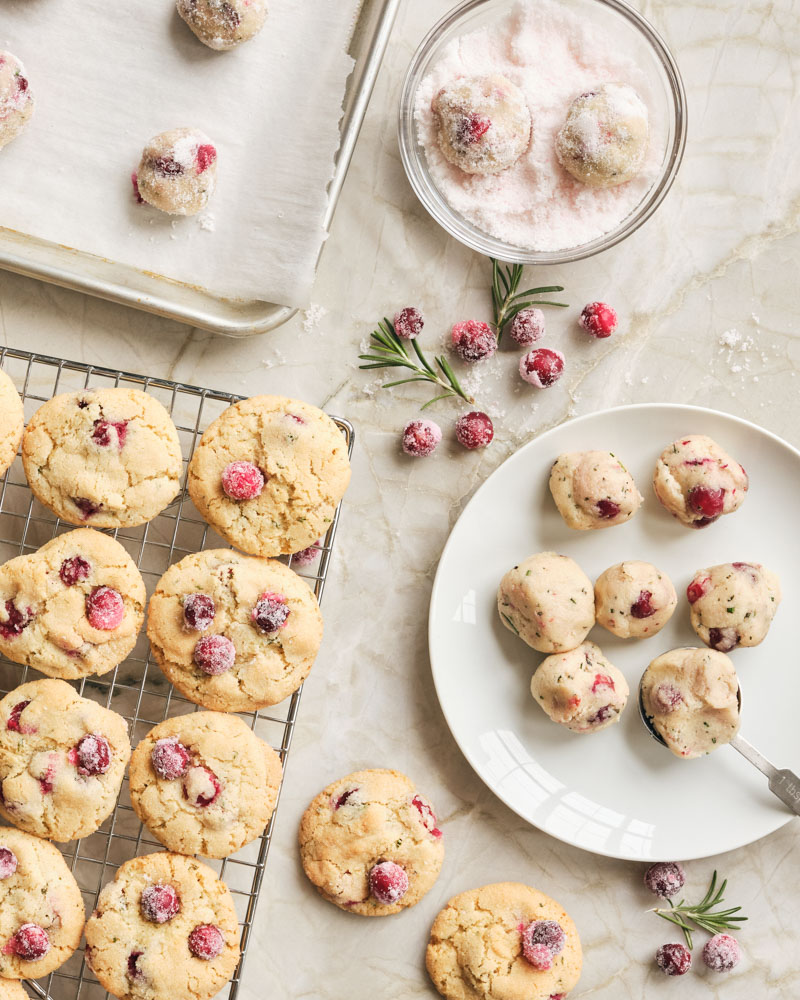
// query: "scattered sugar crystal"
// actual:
[[207, 222], [312, 316]]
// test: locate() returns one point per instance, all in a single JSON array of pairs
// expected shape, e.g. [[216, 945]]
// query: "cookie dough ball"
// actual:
[[548, 601], [733, 604], [634, 600], [12, 420], [593, 489], [483, 123], [505, 941], [580, 689], [177, 172], [223, 24], [691, 697], [604, 139], [16, 99], [698, 481]]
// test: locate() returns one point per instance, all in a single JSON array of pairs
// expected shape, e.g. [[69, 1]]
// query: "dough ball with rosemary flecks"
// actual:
[[223, 24]]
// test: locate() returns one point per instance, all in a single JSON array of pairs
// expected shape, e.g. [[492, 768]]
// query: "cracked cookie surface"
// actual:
[[12, 420], [62, 760]]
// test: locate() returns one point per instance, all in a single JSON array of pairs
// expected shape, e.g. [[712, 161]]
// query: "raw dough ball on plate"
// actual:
[[733, 604], [177, 172], [698, 482], [634, 600], [16, 99], [593, 489], [580, 689], [223, 24]]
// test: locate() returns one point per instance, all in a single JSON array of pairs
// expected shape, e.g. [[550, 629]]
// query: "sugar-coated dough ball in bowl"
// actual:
[[593, 489], [604, 139], [223, 24], [697, 481], [634, 600], [548, 601], [580, 689], [16, 99], [733, 604], [483, 123], [177, 172]]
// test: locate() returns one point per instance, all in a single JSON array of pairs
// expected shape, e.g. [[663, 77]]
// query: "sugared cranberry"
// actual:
[[474, 430], [73, 570], [472, 128], [93, 755], [408, 323], [170, 758], [214, 654], [666, 698], [602, 681], [527, 326], [705, 501], [206, 942], [30, 943], [723, 639], [542, 367], [87, 507], [242, 480], [168, 166], [106, 431], [134, 972], [206, 155], [307, 556], [105, 608], [697, 589], [22, 83], [665, 878], [426, 815], [16, 620], [8, 862], [547, 933], [642, 607], [608, 509], [473, 341], [344, 799], [270, 613], [198, 611], [722, 953], [420, 438], [538, 955], [201, 787], [136, 193], [674, 959], [598, 319], [388, 882], [14, 723], [159, 903]]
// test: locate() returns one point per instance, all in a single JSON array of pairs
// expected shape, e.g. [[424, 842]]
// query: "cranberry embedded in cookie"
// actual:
[[170, 758], [177, 171], [74, 570], [733, 604], [16, 99], [223, 24], [388, 882], [201, 787], [14, 722], [93, 755], [215, 654], [106, 433], [271, 613], [105, 609], [206, 942], [242, 480], [593, 490], [698, 482], [8, 862], [634, 600], [580, 689], [199, 611], [159, 903]]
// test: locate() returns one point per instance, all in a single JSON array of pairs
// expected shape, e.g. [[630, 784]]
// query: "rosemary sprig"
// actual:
[[507, 301], [703, 914], [389, 351]]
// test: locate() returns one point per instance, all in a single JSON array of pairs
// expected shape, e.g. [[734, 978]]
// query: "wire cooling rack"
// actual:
[[137, 689]]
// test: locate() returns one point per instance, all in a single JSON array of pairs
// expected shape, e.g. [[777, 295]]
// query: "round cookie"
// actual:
[[268, 474], [12, 989], [223, 24], [165, 927], [106, 456], [733, 604], [370, 844], [580, 689], [41, 909], [234, 633], [177, 172], [634, 600], [697, 481], [204, 783], [548, 601], [479, 942], [72, 608], [12, 414], [593, 489], [16, 99], [62, 760]]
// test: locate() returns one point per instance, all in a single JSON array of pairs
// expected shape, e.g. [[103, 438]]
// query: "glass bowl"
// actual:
[[667, 100]]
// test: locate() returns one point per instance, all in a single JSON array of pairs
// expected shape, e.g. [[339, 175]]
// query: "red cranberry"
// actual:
[[93, 755], [136, 194], [87, 507], [602, 715], [271, 613], [46, 782], [705, 501], [473, 341], [170, 758], [307, 556], [642, 607], [697, 589], [420, 438], [22, 83], [30, 943], [14, 723], [608, 509], [388, 882], [721, 953], [105, 431], [8, 863], [214, 654], [159, 903], [74, 570], [674, 959], [538, 955], [198, 611], [408, 323], [542, 367], [232, 18], [723, 639], [105, 609], [602, 681], [666, 698], [168, 166], [665, 878], [16, 621], [206, 942], [134, 972], [242, 480], [343, 799], [547, 933], [206, 155], [527, 327], [599, 319], [472, 128], [474, 430], [426, 815], [201, 787]]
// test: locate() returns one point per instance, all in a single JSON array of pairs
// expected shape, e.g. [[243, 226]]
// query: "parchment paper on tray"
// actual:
[[108, 76]]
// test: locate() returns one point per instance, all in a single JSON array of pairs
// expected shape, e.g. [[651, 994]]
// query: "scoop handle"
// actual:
[[782, 782]]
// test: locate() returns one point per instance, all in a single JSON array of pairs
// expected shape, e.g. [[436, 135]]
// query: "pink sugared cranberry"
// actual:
[[723, 639], [642, 607], [159, 903], [388, 882], [201, 787], [214, 654], [8, 862], [168, 166], [608, 509], [242, 480], [473, 341], [107, 432], [93, 755], [674, 959], [14, 723], [134, 972], [136, 194], [206, 155], [545, 933], [73, 570], [527, 327], [542, 367], [666, 698], [474, 430], [538, 955], [602, 681], [426, 815], [703, 500], [206, 942], [698, 588], [198, 611], [307, 556], [86, 507], [16, 620], [170, 758], [420, 438], [665, 878], [472, 128], [598, 319], [722, 953], [408, 323], [30, 943], [270, 613], [105, 608]]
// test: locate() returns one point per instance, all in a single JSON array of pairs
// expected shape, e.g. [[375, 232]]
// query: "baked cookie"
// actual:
[[12, 989], [223, 24], [634, 600], [234, 633], [12, 414], [580, 689], [16, 99], [504, 941], [204, 783], [41, 909], [72, 608], [548, 601], [165, 927], [593, 489], [370, 844], [110, 457], [697, 481], [733, 604], [268, 474], [177, 172], [62, 759]]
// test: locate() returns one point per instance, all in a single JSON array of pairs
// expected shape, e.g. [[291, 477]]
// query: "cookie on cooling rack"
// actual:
[[12, 420], [233, 633], [268, 474], [204, 783], [62, 759], [166, 927], [12, 989], [107, 458], [72, 608], [41, 909], [370, 844]]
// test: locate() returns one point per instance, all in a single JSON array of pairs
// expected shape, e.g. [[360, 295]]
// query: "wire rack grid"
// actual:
[[137, 689]]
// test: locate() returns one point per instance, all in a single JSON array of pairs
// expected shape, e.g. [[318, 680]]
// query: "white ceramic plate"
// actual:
[[617, 792]]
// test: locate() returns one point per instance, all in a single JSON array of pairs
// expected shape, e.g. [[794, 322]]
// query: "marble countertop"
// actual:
[[707, 294]]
